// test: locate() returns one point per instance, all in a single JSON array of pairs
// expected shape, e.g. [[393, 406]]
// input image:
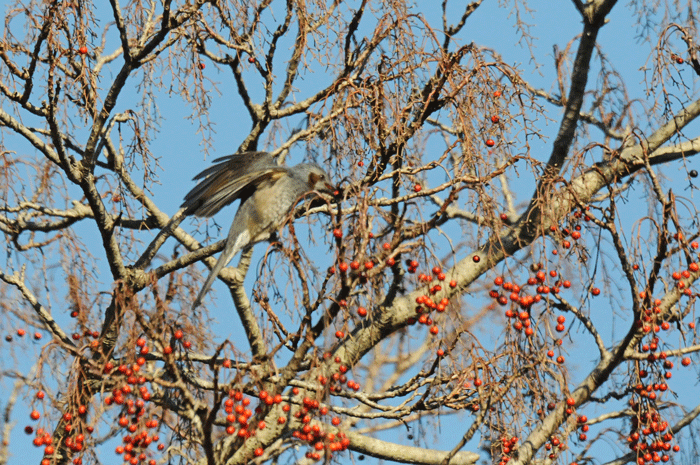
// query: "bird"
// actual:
[[267, 191]]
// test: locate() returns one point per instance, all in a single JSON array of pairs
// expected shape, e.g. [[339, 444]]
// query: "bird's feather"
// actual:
[[231, 178], [230, 250], [267, 192]]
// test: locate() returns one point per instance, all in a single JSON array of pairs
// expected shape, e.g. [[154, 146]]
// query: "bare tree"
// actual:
[[446, 282]]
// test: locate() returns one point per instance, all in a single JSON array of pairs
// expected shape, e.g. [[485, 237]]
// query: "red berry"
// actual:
[[490, 142], [83, 50], [362, 311], [495, 119], [21, 332], [417, 188], [337, 233], [339, 334], [595, 291], [35, 415]]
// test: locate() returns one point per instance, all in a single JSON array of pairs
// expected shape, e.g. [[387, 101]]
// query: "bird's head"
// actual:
[[316, 177]]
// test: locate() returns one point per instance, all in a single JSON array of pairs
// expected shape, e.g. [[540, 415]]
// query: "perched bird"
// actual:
[[268, 192]]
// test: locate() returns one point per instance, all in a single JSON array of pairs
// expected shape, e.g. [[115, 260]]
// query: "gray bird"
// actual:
[[267, 191]]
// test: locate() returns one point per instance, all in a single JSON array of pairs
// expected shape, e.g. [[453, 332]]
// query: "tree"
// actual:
[[469, 258]]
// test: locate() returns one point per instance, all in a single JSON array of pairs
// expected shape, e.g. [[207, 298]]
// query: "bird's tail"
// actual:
[[230, 250]]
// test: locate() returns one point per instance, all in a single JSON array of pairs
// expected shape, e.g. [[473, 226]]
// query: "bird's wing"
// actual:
[[243, 163], [231, 178]]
